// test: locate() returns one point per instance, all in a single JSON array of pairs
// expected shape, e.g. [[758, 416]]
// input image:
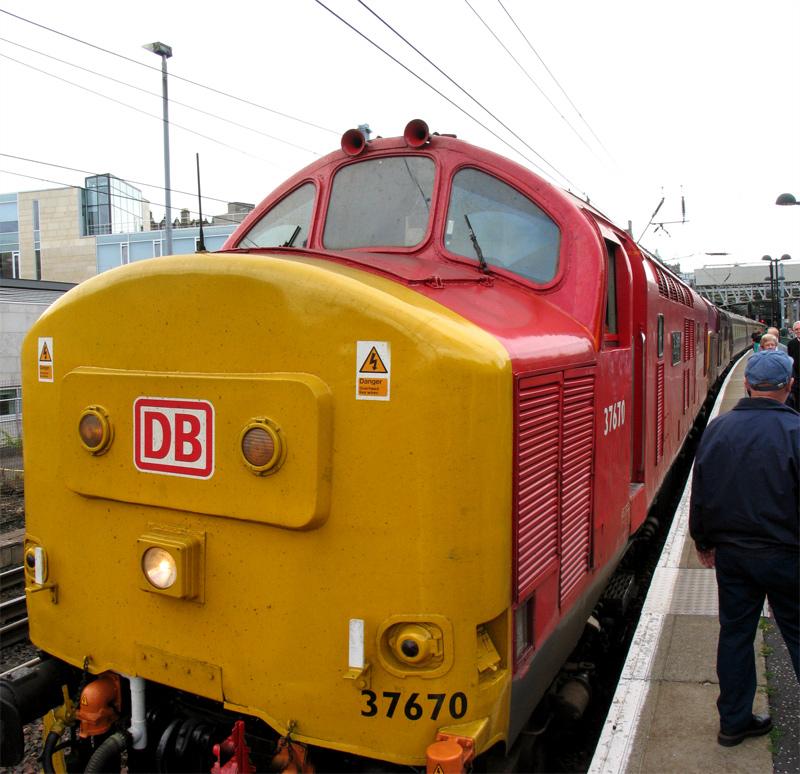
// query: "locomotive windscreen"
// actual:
[[513, 233], [380, 203]]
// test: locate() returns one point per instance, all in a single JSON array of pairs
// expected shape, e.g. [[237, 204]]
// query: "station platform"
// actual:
[[663, 717]]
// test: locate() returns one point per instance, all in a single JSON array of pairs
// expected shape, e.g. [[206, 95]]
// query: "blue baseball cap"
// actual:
[[768, 371]]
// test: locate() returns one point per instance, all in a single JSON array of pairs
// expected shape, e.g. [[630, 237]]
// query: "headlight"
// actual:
[[159, 567], [171, 562]]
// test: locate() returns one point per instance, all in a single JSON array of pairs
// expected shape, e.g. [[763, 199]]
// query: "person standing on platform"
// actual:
[[793, 347], [744, 520], [768, 342], [777, 334]]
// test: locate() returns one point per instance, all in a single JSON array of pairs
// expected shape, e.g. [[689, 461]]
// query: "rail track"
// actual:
[[13, 609]]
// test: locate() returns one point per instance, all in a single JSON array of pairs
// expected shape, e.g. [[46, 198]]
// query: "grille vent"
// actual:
[[554, 478], [659, 411], [669, 287]]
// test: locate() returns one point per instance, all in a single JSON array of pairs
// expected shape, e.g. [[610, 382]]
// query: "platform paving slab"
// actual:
[[682, 736]]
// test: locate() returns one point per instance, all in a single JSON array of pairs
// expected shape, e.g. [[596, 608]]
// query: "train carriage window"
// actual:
[[510, 230], [381, 202], [286, 224], [660, 339]]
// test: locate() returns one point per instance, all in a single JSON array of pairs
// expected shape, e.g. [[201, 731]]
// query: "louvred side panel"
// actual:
[[536, 486], [659, 411], [577, 456], [554, 478]]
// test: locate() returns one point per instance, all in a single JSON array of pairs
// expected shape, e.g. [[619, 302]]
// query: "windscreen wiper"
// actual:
[[290, 241], [478, 251]]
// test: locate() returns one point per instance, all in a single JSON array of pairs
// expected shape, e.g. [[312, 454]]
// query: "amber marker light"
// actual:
[[94, 430], [159, 567], [262, 448]]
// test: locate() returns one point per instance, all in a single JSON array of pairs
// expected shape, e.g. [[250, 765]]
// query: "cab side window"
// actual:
[[612, 328], [286, 224]]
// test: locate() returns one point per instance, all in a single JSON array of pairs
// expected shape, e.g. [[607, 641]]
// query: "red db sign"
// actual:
[[173, 436]]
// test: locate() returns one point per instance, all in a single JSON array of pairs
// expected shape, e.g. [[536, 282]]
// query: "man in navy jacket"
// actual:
[[744, 520]]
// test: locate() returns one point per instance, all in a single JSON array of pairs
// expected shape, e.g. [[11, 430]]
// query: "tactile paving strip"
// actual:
[[683, 592]]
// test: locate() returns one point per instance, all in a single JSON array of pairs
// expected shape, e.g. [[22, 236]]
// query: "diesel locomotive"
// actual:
[[344, 494]]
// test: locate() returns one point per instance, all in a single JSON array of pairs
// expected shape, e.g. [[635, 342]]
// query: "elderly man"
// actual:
[[743, 517]]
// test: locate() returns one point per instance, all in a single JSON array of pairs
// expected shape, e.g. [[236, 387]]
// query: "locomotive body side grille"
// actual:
[[554, 475], [576, 479], [670, 288], [659, 411], [538, 414]]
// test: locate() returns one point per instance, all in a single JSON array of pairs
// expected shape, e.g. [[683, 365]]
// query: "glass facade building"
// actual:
[[112, 206]]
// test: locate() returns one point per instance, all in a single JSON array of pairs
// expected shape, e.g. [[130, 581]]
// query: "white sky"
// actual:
[[700, 94]]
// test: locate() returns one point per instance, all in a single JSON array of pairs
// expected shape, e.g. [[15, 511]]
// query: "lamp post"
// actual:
[[776, 306], [786, 199], [165, 52]]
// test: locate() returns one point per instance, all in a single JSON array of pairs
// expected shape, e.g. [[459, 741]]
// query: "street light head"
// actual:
[[786, 257], [162, 49], [786, 198], [766, 257]]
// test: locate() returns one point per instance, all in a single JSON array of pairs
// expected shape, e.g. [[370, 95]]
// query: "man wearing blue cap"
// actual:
[[744, 519]]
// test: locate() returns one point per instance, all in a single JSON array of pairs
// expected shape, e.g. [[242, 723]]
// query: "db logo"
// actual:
[[174, 436]]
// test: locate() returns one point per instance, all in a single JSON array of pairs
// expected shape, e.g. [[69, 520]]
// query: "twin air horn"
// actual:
[[416, 134]]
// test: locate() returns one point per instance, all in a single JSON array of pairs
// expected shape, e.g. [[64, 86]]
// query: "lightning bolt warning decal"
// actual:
[[373, 370]]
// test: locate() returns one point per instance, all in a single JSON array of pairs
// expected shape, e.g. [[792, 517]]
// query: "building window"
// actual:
[[123, 253], [157, 248], [112, 206], [38, 258], [10, 401], [36, 215], [9, 265]]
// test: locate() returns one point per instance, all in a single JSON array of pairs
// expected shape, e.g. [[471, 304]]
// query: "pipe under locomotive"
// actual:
[[349, 490]]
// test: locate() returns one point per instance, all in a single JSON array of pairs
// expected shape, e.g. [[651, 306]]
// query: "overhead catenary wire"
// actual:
[[457, 85], [450, 101], [529, 77], [172, 100], [172, 74], [138, 110], [556, 81]]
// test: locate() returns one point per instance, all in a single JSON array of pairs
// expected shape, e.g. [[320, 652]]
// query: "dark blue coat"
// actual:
[[745, 488]]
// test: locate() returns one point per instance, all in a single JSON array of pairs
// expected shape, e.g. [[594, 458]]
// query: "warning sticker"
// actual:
[[373, 363], [373, 370], [45, 359]]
